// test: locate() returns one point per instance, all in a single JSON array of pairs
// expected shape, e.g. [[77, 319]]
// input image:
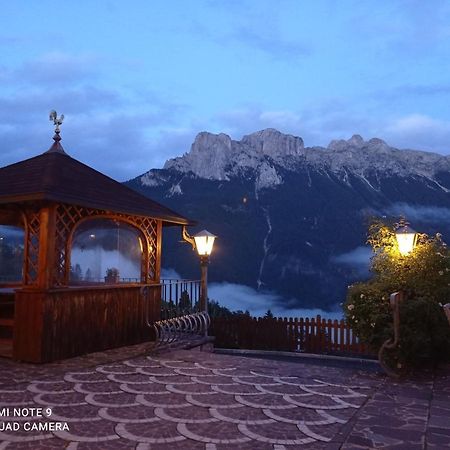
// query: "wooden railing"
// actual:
[[314, 335], [82, 319]]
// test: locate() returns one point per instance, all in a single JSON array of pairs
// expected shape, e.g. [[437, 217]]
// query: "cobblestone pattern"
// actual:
[[405, 415], [191, 400], [122, 399]]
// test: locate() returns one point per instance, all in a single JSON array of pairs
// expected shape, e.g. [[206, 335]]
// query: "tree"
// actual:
[[185, 301], [216, 310], [268, 315], [424, 276], [76, 274]]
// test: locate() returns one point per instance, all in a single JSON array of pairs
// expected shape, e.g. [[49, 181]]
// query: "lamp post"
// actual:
[[202, 242], [406, 238]]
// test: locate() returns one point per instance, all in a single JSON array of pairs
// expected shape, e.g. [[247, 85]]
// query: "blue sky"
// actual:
[[137, 80]]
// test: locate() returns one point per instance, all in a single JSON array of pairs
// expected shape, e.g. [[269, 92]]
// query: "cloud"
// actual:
[[241, 297], [244, 298], [410, 123], [256, 26], [59, 68], [406, 27], [10, 40], [101, 125], [358, 259], [426, 23], [103, 142], [121, 143], [11, 232], [338, 118], [25, 129], [317, 125], [25, 103], [415, 90], [418, 213], [170, 274], [246, 120], [270, 42], [419, 131], [54, 69]]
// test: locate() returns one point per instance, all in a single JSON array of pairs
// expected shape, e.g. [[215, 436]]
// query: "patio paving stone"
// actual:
[[132, 399]]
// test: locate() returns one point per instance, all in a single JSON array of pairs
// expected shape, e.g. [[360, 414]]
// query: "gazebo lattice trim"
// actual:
[[66, 220], [32, 248]]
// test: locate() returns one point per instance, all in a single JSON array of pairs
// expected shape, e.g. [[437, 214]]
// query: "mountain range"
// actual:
[[293, 219]]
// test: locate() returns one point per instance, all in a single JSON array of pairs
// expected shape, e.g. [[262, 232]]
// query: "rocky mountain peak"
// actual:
[[218, 157], [206, 142], [356, 140], [339, 145], [275, 144], [378, 145], [209, 155], [266, 153]]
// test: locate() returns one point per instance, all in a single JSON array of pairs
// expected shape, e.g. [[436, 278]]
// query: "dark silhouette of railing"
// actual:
[[179, 297], [104, 280], [180, 325], [182, 331], [315, 335]]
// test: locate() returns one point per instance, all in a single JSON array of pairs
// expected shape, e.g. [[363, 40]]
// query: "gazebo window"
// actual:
[[11, 253], [106, 251]]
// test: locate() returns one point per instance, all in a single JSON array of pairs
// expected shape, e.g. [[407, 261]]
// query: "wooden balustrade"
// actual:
[[61, 323], [315, 335]]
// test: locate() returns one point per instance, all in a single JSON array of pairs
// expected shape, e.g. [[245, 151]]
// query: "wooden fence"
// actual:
[[314, 335]]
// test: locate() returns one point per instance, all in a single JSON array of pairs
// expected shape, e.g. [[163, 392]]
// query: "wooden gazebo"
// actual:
[[45, 317]]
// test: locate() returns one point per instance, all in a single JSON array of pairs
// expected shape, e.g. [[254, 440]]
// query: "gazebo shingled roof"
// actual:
[[57, 177]]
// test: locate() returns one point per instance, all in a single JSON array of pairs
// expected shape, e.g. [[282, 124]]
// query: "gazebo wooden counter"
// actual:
[[49, 196]]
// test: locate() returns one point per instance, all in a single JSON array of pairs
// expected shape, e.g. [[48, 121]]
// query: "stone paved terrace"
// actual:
[[132, 399]]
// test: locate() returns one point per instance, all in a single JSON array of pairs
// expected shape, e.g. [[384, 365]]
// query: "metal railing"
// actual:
[[179, 297], [180, 324], [104, 281], [181, 330]]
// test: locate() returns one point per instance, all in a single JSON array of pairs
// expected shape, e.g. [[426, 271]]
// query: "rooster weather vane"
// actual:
[[57, 121]]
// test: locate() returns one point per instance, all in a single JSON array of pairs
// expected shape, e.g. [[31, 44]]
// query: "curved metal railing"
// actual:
[[182, 329]]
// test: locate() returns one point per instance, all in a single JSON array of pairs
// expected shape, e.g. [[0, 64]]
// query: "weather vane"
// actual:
[[57, 121]]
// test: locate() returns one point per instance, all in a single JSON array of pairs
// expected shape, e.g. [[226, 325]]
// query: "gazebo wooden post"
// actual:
[[47, 238], [158, 250]]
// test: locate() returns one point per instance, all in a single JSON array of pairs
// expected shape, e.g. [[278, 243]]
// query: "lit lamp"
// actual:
[[406, 238], [203, 242]]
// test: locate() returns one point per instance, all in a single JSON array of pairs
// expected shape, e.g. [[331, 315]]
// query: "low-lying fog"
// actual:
[[239, 297]]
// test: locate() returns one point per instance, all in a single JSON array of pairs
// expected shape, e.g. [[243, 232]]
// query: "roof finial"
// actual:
[[57, 121]]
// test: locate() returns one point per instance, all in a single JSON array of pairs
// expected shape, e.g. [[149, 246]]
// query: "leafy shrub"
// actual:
[[424, 276]]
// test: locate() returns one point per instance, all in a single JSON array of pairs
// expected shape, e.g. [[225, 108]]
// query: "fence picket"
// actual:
[[335, 340]]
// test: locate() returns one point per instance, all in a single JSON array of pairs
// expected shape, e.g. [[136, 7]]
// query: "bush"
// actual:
[[424, 276]]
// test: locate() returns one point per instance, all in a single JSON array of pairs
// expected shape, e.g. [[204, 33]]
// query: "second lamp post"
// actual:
[[203, 242]]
